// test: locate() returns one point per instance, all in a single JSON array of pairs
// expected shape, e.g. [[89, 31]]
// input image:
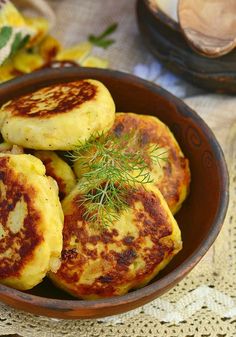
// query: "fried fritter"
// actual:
[[100, 261], [59, 116], [9, 148], [171, 174], [31, 221], [59, 170]]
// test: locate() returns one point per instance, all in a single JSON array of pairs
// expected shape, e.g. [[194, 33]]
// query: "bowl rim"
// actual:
[[160, 15], [185, 267]]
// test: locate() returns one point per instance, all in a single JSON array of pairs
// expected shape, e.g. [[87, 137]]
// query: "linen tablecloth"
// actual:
[[204, 303]]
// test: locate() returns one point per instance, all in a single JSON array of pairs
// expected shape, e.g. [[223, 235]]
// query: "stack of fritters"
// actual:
[[31, 221], [95, 261]]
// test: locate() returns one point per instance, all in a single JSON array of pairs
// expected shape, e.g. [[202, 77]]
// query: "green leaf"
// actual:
[[100, 40], [24, 41], [18, 43], [5, 34], [102, 43], [109, 30]]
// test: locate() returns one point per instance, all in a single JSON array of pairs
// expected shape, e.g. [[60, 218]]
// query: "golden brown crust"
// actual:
[[58, 116], [116, 253], [176, 173], [50, 171], [16, 247], [57, 99], [59, 170]]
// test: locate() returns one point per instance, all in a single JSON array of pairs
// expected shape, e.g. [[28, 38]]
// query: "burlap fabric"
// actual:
[[204, 303]]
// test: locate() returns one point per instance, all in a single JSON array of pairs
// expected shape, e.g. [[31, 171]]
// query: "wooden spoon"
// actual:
[[209, 25]]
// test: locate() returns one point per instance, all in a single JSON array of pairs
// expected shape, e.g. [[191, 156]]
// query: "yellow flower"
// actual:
[[40, 26], [49, 48], [75, 53], [95, 62], [6, 71], [10, 16], [27, 62]]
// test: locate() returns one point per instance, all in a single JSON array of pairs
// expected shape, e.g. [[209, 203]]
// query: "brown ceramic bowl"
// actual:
[[200, 218], [164, 38]]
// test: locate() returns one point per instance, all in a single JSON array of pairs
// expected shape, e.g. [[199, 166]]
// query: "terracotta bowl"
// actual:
[[200, 218], [164, 38]]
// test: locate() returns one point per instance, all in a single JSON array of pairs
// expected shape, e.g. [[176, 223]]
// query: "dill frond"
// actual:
[[110, 168]]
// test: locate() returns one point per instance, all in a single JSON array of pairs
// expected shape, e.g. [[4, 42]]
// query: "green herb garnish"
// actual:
[[102, 40], [111, 168], [19, 42], [5, 34]]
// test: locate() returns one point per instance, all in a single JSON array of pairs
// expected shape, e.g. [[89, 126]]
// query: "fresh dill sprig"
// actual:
[[111, 167]]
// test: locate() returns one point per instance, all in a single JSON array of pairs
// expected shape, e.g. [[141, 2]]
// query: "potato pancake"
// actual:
[[9, 148], [59, 116], [171, 174], [100, 261], [59, 170], [31, 221]]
